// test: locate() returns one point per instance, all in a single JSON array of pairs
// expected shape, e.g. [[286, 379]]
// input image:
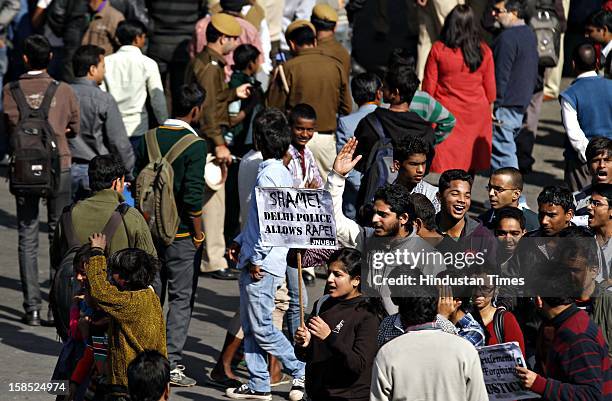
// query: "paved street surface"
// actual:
[[28, 354]]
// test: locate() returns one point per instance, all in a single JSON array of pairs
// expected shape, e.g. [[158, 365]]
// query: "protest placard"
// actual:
[[498, 364], [296, 218]]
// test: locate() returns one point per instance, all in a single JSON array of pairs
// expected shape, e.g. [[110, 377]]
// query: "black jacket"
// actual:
[[340, 368]]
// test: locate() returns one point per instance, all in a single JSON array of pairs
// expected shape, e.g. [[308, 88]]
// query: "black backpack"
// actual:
[[498, 325], [64, 287], [34, 168], [377, 171]]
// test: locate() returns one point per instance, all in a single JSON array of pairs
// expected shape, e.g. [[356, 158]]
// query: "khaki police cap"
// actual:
[[226, 24], [298, 24], [325, 12]]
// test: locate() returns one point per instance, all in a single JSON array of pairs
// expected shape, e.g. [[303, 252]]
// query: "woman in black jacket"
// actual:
[[338, 342]]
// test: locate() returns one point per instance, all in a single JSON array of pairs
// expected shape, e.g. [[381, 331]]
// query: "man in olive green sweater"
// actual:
[[180, 260], [106, 177]]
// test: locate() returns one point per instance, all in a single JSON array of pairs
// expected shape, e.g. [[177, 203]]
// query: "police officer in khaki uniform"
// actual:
[[324, 19], [313, 78], [206, 69]]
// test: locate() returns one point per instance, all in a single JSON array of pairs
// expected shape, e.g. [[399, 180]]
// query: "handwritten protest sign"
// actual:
[[498, 368], [296, 218]]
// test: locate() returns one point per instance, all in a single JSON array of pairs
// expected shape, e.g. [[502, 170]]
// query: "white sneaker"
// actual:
[[178, 378], [297, 389]]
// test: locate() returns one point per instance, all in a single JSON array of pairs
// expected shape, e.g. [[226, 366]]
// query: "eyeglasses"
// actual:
[[596, 203], [497, 189], [497, 11]]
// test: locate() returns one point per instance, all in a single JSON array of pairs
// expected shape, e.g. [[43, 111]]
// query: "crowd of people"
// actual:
[[146, 126]]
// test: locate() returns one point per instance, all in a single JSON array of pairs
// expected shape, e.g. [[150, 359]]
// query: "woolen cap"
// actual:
[[226, 24], [298, 24], [325, 12]]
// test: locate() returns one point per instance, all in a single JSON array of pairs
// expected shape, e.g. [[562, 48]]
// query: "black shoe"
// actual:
[[222, 274], [309, 280], [31, 318], [245, 393], [50, 322]]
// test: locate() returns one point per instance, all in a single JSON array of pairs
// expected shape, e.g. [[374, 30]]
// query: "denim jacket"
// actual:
[[272, 173]]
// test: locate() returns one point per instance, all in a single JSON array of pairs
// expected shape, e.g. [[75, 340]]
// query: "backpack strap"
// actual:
[[49, 94], [179, 147], [377, 125], [22, 103], [153, 151], [114, 221], [498, 324]]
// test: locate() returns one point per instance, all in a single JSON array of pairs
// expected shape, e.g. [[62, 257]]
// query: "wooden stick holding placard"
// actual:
[[301, 299]]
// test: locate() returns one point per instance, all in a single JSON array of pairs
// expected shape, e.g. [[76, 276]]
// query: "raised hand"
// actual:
[[98, 240], [344, 162]]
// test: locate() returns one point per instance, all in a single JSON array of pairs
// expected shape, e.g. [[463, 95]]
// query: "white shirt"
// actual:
[[576, 136], [266, 42], [179, 123], [606, 50], [130, 77]]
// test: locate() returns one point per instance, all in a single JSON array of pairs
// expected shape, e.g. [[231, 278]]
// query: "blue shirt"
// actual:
[[272, 173]]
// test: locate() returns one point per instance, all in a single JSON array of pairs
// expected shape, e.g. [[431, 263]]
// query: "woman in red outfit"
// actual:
[[483, 300], [460, 74]]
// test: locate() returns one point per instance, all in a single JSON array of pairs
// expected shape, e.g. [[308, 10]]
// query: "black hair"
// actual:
[[303, 111], [601, 19], [188, 97], [604, 190], [557, 195], [81, 257], [302, 36], [550, 279], [103, 170], [243, 55], [403, 79], [509, 212], [578, 242], [515, 175], [135, 266], [460, 31], [407, 146], [148, 376], [212, 34], [272, 134], [584, 57], [399, 201], [128, 30], [420, 307], [364, 87], [452, 175], [401, 56], [350, 259], [321, 24], [38, 51], [598, 145], [84, 58], [516, 5], [424, 210]]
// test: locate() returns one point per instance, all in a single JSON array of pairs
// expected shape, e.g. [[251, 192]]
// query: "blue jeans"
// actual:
[[260, 335], [80, 181], [504, 147], [293, 313]]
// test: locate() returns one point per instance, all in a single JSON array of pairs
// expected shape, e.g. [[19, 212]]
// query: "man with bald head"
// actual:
[[583, 108]]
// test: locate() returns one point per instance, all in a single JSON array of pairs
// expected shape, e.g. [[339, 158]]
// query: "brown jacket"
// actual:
[[317, 80], [64, 112], [332, 48], [102, 28], [206, 69]]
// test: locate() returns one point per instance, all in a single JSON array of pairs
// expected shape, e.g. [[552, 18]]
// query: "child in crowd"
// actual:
[[149, 377], [304, 170], [337, 342], [136, 320], [305, 173]]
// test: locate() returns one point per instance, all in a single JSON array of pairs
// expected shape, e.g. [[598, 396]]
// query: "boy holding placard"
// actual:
[[263, 271]]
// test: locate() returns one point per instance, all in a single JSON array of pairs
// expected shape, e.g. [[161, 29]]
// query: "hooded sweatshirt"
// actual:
[[340, 367], [396, 125]]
